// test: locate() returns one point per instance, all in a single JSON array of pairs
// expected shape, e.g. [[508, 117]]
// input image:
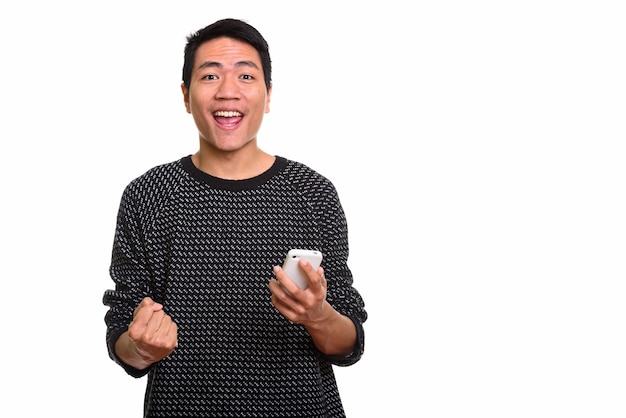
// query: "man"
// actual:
[[195, 306]]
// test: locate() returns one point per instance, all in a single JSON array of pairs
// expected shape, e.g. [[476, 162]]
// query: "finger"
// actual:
[[174, 332], [284, 309], [141, 327], [147, 302], [280, 296], [315, 277], [147, 320], [275, 286], [158, 322], [142, 318], [320, 271], [286, 284], [282, 300], [167, 333]]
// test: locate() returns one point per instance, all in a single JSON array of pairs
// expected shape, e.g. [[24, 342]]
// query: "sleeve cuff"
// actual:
[[357, 351]]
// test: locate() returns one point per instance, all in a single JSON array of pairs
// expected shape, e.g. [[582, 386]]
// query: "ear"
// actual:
[[267, 99], [185, 97]]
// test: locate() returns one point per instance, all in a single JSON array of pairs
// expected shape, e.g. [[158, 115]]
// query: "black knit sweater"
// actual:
[[204, 247]]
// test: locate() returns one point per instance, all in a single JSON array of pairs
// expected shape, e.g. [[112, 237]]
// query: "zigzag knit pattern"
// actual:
[[205, 248]]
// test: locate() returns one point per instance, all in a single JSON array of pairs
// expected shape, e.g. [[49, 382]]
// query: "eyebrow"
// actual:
[[215, 64]]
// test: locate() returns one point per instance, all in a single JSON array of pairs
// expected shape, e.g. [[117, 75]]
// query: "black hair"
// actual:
[[229, 28]]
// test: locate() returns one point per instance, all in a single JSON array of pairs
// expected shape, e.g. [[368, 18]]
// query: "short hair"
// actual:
[[229, 28]]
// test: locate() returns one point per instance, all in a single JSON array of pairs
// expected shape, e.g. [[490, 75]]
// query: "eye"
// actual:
[[247, 77], [209, 77]]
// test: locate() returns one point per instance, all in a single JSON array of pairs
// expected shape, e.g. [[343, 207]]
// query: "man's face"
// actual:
[[227, 96]]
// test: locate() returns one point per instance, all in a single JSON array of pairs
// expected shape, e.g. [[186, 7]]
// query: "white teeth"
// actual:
[[227, 114]]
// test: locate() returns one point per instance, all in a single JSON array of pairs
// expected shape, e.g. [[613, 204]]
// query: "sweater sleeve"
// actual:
[[357, 351], [341, 294], [130, 275]]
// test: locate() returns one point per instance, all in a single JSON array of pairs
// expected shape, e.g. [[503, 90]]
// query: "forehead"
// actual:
[[227, 52]]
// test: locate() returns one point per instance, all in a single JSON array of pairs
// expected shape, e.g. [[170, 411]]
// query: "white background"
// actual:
[[478, 148]]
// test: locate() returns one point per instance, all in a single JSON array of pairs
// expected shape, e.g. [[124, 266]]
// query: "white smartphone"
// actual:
[[293, 270]]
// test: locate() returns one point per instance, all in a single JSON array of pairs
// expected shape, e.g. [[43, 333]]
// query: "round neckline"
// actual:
[[235, 185]]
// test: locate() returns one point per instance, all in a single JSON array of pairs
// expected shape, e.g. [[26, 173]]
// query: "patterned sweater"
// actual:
[[204, 247]]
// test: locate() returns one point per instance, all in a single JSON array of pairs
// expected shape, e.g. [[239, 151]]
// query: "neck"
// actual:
[[237, 165]]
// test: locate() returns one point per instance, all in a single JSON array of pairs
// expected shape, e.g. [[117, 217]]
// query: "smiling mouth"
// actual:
[[227, 114], [228, 119]]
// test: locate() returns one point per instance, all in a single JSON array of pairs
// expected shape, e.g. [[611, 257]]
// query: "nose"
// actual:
[[228, 89]]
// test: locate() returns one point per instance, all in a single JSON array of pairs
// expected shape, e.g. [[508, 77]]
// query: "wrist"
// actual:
[[326, 320]]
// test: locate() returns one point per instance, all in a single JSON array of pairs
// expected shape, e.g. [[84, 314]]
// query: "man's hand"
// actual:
[[306, 307], [151, 336], [332, 333]]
